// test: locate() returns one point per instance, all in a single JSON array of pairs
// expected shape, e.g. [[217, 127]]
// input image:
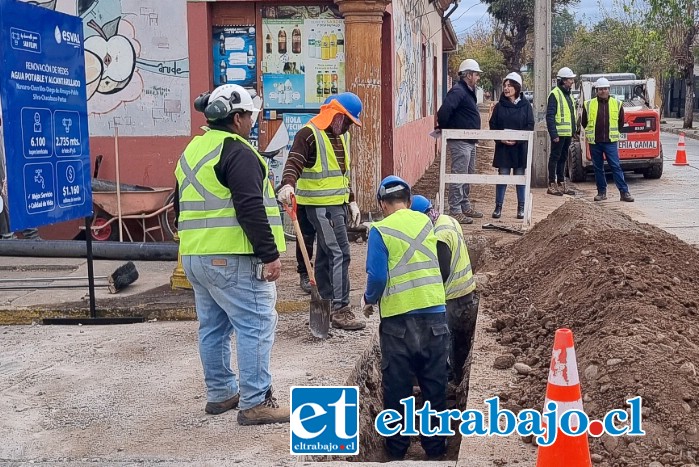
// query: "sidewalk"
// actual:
[[674, 125]]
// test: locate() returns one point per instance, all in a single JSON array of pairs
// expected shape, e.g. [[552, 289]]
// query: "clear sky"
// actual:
[[471, 12]]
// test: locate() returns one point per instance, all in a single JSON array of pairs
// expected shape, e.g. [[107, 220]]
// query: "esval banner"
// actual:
[[44, 115]]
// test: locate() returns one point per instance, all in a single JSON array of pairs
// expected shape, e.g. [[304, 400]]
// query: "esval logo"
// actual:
[[70, 38], [324, 420]]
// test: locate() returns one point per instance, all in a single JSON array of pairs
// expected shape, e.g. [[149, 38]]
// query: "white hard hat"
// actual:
[[225, 100], [565, 72], [602, 83], [514, 77], [470, 65]]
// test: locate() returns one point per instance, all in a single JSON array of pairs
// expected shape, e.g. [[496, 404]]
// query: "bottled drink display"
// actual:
[[340, 42], [287, 91], [223, 77], [334, 81], [222, 44], [327, 84], [268, 44], [333, 46], [319, 86], [296, 40], [251, 58], [281, 37], [312, 48], [325, 47]]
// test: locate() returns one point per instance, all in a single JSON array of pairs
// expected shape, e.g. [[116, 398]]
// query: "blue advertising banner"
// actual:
[[235, 56], [283, 91], [44, 116]]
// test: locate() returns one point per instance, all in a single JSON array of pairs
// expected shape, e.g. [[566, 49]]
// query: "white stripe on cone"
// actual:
[[564, 373], [565, 406]]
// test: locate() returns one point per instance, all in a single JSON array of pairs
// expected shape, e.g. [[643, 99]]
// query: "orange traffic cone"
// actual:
[[564, 389], [681, 155]]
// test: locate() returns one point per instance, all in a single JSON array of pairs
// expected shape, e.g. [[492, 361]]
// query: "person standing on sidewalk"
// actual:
[[318, 173], [603, 118], [560, 122], [231, 235], [459, 284], [403, 278], [460, 111], [512, 112]]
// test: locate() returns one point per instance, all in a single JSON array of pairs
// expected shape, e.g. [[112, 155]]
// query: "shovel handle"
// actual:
[[291, 210]]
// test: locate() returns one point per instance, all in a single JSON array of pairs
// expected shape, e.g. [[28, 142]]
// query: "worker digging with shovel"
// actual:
[[317, 173]]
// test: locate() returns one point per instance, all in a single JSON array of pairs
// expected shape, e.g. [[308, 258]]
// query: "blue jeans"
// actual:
[[500, 189], [611, 150], [463, 161], [229, 299]]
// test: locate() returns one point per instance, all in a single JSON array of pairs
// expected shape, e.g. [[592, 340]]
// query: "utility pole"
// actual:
[[542, 86]]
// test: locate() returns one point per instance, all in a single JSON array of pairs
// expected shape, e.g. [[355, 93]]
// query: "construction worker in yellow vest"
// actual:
[[230, 238], [459, 284], [603, 119], [318, 173], [405, 284], [560, 122]]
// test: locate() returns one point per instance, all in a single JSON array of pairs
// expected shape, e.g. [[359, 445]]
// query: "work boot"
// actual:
[[601, 196], [520, 210], [305, 282], [473, 213], [265, 413], [498, 211], [626, 196], [563, 188], [345, 319], [216, 408], [553, 190], [462, 218]]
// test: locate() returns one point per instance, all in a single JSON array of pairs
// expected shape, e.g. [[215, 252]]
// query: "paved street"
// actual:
[[671, 203]]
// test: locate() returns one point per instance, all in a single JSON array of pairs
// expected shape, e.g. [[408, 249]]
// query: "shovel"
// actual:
[[319, 321], [503, 229]]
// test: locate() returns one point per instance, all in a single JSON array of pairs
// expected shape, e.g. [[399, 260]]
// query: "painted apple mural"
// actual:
[[115, 53]]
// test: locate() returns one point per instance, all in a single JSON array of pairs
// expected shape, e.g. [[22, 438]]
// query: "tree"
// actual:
[[514, 20], [679, 20], [563, 27], [478, 45]]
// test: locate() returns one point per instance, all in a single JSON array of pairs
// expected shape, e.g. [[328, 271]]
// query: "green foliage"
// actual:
[[478, 45]]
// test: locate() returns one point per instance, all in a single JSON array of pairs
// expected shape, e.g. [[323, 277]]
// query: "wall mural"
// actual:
[[411, 29], [136, 64]]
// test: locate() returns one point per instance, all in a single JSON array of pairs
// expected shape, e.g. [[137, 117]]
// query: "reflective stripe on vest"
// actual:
[[591, 108], [414, 280], [325, 184], [564, 120], [461, 281], [207, 223]]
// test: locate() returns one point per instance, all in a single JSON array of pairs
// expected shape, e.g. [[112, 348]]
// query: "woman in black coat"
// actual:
[[512, 112]]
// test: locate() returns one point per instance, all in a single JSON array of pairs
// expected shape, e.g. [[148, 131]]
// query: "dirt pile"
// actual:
[[630, 293]]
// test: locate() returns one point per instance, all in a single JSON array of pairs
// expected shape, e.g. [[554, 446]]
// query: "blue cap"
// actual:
[[420, 204], [391, 184]]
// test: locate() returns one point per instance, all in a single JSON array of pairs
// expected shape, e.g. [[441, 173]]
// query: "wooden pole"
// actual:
[[363, 20], [118, 179]]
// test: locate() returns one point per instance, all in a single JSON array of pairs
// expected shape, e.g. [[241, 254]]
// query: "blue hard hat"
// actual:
[[351, 102], [329, 98], [391, 184], [420, 204]]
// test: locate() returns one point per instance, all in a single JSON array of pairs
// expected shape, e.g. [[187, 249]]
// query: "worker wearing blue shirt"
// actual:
[[405, 283]]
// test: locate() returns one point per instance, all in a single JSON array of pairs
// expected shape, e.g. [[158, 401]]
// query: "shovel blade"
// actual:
[[319, 320]]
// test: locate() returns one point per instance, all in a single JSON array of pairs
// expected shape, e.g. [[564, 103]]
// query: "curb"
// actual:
[[677, 131], [30, 315]]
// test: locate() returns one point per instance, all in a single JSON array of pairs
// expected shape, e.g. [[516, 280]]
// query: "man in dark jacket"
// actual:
[[460, 111], [560, 121]]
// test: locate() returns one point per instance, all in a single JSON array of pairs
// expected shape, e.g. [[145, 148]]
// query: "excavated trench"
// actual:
[[367, 376]]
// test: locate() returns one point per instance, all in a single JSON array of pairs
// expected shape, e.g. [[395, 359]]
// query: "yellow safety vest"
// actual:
[[461, 281], [325, 184], [414, 279], [591, 107], [564, 119], [207, 223]]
